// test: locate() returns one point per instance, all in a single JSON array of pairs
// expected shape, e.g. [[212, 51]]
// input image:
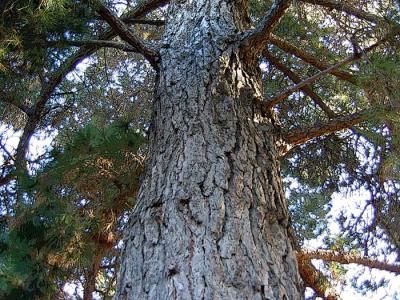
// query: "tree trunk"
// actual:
[[91, 275], [211, 221]]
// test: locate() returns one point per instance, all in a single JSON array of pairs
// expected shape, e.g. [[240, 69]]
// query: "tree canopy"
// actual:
[[81, 73]]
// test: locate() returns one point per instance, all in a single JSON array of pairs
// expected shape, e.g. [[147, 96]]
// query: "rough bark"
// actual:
[[211, 220]]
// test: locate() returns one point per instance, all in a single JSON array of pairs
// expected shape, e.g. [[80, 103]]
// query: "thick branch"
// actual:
[[316, 280], [316, 62], [143, 9], [94, 43], [349, 9], [301, 136], [257, 39], [123, 31], [56, 78], [296, 79], [22, 148], [346, 258], [85, 51], [145, 22]]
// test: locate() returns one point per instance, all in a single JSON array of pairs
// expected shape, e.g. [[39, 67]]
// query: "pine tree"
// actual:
[[245, 97]]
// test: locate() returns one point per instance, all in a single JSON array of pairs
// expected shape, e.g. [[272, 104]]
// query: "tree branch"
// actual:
[[6, 179], [123, 31], [349, 9], [296, 79], [94, 43], [282, 96], [316, 280], [143, 9], [291, 49], [10, 157], [300, 136], [22, 148], [134, 21], [255, 41], [144, 22], [36, 111], [87, 50], [356, 56], [347, 258]]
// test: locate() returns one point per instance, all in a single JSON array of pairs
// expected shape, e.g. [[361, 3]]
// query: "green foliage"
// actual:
[[27, 57], [96, 154], [383, 70], [43, 230], [309, 209], [26, 25], [77, 202]]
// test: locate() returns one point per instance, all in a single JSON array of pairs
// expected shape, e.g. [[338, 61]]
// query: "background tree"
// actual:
[[327, 105]]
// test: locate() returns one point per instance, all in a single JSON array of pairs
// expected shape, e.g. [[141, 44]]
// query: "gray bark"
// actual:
[[211, 221]]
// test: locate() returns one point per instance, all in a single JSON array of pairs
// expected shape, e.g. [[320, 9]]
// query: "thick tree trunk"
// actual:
[[211, 220]]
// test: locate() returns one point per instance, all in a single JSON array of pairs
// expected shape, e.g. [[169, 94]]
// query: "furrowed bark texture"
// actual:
[[211, 220]]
